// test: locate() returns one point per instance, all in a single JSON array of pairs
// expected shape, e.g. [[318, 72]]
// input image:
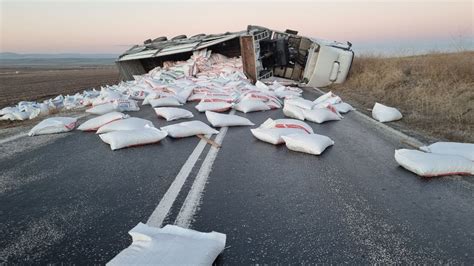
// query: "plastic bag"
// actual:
[[53, 125], [246, 106], [227, 120], [128, 138], [94, 123], [172, 113], [308, 143], [384, 113], [465, 150], [131, 123], [431, 164], [187, 129], [126, 105], [170, 245]]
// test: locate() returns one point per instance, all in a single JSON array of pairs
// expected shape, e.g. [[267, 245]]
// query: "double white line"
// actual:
[[194, 196]]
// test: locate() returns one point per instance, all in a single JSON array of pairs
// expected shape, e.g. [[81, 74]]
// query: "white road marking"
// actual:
[[194, 196], [21, 135], [12, 138], [161, 211]]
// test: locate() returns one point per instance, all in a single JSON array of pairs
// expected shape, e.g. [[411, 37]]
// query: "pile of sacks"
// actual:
[[296, 134]]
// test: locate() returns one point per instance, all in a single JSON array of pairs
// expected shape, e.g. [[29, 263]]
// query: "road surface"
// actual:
[[69, 198]]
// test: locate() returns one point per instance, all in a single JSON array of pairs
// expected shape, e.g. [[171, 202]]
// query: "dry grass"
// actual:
[[435, 92]]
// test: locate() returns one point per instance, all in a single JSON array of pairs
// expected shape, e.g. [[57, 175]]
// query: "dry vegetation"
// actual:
[[434, 92]]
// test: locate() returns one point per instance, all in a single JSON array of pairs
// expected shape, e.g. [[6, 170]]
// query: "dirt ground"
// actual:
[[36, 84]]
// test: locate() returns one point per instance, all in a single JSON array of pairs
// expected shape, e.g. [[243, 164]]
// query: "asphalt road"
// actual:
[[69, 198]]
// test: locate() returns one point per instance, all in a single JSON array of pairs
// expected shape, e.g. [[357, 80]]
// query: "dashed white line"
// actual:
[[193, 199]]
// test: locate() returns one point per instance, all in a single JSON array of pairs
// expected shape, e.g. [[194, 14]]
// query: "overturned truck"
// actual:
[[265, 54]]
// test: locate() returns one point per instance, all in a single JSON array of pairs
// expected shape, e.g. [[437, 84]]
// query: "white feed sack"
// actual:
[[274, 135], [170, 245], [308, 143], [300, 102], [272, 131], [465, 150], [187, 129], [166, 101], [94, 123], [343, 107], [247, 106], [227, 120], [384, 113], [321, 115], [129, 138], [102, 109], [213, 106], [293, 111], [326, 97], [131, 123], [173, 113], [431, 164], [53, 125]]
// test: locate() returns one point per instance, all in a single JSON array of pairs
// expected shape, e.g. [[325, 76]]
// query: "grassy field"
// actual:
[[434, 92]]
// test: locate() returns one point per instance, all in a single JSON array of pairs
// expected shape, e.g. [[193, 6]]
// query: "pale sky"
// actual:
[[107, 26]]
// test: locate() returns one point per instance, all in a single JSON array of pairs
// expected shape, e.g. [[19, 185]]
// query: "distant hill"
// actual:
[[14, 56]]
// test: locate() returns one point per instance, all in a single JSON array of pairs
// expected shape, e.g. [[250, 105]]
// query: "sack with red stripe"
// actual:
[[96, 122], [272, 131], [53, 125]]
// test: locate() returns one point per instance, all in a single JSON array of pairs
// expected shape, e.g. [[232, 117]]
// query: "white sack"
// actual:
[[431, 164], [324, 97], [320, 115], [274, 135], [101, 109], [94, 123], [300, 102], [172, 113], [53, 125], [129, 138], [187, 129], [287, 123], [343, 107], [17, 115], [167, 101], [170, 245], [126, 105], [293, 111], [131, 123], [384, 113], [308, 143], [465, 150], [213, 106], [247, 106], [227, 120]]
